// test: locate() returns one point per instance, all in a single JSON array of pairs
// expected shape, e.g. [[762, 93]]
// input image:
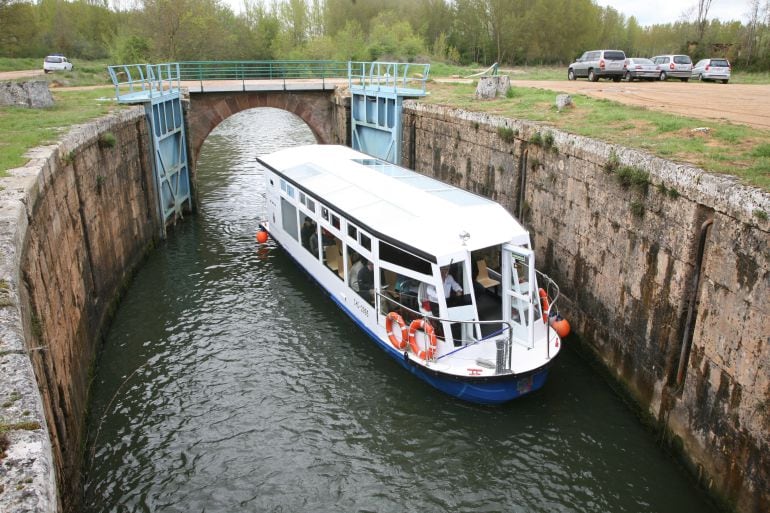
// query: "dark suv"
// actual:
[[598, 64]]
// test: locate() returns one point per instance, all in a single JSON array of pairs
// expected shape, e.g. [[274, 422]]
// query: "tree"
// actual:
[[701, 19]]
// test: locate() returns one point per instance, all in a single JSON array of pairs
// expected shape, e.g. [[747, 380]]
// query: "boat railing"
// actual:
[[502, 337], [552, 293]]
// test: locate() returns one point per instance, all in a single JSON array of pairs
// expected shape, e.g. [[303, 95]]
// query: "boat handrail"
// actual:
[[508, 326], [551, 289]]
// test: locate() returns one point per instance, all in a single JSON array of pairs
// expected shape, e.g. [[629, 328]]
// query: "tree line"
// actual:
[[510, 32]]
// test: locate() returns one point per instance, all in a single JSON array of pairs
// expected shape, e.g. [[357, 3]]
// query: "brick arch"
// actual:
[[207, 110]]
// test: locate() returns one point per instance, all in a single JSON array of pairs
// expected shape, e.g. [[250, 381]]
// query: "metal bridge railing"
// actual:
[[250, 71], [143, 82], [393, 77], [261, 70]]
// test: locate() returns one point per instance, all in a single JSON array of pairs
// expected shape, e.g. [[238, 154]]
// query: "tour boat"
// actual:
[[442, 279]]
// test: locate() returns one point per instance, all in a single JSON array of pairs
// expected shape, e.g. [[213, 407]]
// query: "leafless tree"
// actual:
[[701, 19]]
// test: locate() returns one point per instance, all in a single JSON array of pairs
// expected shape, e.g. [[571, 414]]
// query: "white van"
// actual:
[[56, 62]]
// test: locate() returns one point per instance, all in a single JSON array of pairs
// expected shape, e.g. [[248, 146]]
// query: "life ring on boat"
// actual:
[[389, 320], [422, 324], [544, 303]]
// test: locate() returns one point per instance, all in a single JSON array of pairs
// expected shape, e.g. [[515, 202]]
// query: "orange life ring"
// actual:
[[544, 303], [422, 324], [389, 320]]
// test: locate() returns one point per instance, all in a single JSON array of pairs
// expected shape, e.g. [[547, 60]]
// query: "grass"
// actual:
[[22, 128], [84, 73], [731, 149], [10, 64]]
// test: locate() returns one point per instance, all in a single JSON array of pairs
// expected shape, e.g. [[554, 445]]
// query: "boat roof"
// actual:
[[416, 210]]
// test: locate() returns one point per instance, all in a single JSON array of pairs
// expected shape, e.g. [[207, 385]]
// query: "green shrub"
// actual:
[[507, 134], [613, 162], [630, 176], [536, 139], [637, 208], [107, 140]]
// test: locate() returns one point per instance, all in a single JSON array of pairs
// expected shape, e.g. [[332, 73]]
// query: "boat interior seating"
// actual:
[[332, 257], [483, 277]]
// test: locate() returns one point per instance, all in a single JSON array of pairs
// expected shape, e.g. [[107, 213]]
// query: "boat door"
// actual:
[[518, 284]]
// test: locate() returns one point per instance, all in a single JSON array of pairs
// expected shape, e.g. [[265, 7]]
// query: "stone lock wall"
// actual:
[[86, 212], [629, 263]]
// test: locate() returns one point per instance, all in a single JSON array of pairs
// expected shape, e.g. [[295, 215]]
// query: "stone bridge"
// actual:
[[325, 110]]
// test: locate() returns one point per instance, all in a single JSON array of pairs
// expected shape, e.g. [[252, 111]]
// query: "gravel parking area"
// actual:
[[737, 103]]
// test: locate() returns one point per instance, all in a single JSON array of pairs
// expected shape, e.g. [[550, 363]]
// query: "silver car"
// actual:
[[674, 66], [598, 64], [638, 68], [712, 69]]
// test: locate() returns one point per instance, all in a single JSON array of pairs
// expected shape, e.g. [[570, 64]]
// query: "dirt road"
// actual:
[[738, 103], [13, 75]]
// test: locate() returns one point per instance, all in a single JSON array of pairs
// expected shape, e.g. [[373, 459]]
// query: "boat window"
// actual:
[[355, 264], [332, 253], [289, 218], [290, 190], [366, 242], [400, 294], [336, 221], [283, 185], [325, 213], [394, 255], [352, 232], [309, 234], [311, 205], [521, 286], [302, 197], [366, 281]]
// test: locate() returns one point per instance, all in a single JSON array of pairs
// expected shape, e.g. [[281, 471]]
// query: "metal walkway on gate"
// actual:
[[377, 92], [157, 87]]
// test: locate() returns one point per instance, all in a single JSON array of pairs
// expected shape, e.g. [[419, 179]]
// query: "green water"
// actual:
[[229, 382]]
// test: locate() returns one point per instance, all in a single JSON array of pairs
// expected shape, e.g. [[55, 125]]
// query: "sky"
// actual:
[[650, 12]]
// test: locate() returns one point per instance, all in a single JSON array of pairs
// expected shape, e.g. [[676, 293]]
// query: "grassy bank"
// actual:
[[722, 148], [22, 129]]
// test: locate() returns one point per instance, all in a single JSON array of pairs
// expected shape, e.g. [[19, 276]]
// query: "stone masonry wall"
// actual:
[[625, 258], [76, 220]]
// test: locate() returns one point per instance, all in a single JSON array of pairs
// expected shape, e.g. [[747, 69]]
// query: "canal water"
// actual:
[[229, 382]]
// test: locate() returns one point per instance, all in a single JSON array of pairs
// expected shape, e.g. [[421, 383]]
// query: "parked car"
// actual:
[[638, 68], [712, 69], [674, 66], [598, 64], [56, 62]]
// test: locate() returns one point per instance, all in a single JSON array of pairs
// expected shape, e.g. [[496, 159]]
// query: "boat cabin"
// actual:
[[381, 238]]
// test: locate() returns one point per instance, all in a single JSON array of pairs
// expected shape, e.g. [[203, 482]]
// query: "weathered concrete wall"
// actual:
[[80, 217], [626, 261]]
